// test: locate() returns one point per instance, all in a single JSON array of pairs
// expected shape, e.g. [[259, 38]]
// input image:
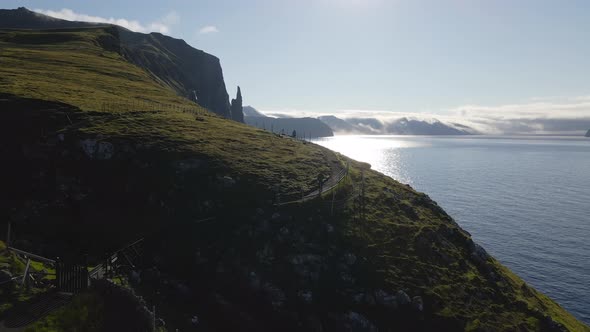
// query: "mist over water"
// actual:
[[526, 200]]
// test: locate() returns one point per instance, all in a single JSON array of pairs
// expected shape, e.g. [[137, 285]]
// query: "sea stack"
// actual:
[[237, 113]]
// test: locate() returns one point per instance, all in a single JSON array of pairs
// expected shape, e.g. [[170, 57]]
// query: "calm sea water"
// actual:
[[525, 199]]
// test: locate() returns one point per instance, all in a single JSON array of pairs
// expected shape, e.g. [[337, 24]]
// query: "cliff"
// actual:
[[191, 73], [588, 133], [211, 198]]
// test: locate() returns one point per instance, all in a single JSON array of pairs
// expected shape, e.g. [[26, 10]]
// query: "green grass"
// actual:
[[77, 71], [84, 313]]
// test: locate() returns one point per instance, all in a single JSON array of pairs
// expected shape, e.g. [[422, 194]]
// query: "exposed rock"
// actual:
[[349, 258], [97, 149], [364, 298], [385, 299], [228, 181], [402, 298], [353, 321], [237, 113], [478, 254], [417, 303], [588, 133], [188, 164], [308, 266]]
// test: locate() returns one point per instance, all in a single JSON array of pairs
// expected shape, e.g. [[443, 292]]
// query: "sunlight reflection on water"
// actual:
[[382, 152]]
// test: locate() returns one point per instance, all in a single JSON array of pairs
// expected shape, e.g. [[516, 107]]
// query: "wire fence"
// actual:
[[150, 106], [323, 186]]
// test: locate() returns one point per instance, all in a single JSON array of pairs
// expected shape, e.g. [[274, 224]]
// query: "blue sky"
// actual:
[[431, 57]]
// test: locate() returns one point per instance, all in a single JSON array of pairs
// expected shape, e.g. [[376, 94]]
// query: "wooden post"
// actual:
[[26, 272]]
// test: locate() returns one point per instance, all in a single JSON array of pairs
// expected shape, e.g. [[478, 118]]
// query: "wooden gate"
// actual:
[[70, 278]]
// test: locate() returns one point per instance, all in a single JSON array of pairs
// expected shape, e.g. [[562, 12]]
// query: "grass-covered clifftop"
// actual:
[[93, 160]]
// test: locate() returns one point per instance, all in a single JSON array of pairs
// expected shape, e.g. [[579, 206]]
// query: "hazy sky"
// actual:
[[437, 56]]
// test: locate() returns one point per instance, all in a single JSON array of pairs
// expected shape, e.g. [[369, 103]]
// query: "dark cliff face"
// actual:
[[191, 73], [588, 133]]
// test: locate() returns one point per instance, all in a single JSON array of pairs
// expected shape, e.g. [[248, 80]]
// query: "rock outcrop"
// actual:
[[588, 133], [237, 113], [192, 73]]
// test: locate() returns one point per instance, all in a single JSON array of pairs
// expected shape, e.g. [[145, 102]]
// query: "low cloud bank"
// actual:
[[549, 116]]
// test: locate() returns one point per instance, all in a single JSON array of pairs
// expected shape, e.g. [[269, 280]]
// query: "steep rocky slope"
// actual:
[[98, 153], [191, 73]]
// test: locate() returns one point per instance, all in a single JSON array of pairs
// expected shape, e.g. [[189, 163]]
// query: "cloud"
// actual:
[[208, 29], [554, 115], [162, 25]]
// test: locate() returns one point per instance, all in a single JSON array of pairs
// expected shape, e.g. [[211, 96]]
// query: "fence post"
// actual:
[[26, 272]]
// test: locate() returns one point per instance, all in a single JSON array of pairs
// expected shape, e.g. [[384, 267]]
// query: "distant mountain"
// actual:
[[339, 125], [251, 111], [402, 126], [303, 127], [588, 133], [191, 73], [405, 126]]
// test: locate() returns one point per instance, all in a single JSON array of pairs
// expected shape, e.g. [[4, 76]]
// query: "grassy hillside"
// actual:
[[399, 263], [81, 67]]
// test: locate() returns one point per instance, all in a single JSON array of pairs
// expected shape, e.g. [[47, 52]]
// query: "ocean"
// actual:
[[526, 200]]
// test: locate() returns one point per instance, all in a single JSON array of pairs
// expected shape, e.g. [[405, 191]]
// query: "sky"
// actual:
[[497, 59]]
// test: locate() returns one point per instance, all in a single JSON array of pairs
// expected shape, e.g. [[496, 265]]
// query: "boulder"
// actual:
[[386, 299], [353, 321], [417, 303], [402, 298]]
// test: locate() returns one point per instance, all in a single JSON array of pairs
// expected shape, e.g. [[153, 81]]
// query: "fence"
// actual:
[[70, 277], [330, 183], [148, 106]]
